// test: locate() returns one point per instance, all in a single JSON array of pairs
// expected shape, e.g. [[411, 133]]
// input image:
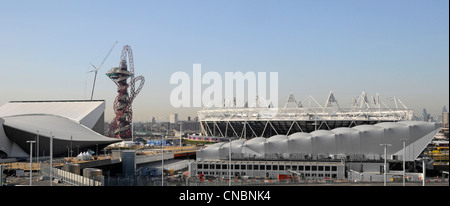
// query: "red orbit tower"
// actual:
[[120, 125]]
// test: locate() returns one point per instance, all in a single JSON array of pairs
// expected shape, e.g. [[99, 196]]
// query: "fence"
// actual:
[[156, 181], [72, 178]]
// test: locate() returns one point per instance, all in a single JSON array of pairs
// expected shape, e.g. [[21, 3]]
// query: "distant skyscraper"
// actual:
[[444, 109], [153, 120], [445, 119], [425, 115], [173, 118]]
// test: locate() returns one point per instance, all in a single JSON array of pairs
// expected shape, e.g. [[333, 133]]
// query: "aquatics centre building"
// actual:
[[73, 125]]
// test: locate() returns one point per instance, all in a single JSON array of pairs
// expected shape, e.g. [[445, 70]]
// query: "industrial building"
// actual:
[[322, 153], [74, 125], [269, 169]]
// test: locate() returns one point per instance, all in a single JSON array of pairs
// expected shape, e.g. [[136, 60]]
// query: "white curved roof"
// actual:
[[66, 133], [83, 112], [67, 120], [360, 140], [60, 127]]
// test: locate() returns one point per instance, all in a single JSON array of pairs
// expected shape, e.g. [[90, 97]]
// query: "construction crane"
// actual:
[[98, 68]]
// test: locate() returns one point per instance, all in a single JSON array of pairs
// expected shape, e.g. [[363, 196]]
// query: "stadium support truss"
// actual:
[[304, 116]]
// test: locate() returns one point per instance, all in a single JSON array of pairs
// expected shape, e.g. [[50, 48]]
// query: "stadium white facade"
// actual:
[[318, 154], [74, 125], [357, 143], [299, 116]]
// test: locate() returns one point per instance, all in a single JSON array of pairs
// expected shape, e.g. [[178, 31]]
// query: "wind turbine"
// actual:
[[98, 68]]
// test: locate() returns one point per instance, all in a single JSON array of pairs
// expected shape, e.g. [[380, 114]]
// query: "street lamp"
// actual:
[[31, 160], [71, 146], [181, 134], [37, 150], [51, 158], [423, 169], [404, 154], [162, 160], [385, 161], [229, 164]]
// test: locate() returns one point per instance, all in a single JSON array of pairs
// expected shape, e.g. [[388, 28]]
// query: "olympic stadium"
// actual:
[[299, 116], [74, 125], [313, 141]]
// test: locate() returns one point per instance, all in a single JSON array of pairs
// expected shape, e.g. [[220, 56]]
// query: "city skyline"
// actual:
[[396, 49]]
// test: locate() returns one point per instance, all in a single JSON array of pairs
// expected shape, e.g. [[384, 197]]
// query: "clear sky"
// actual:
[[395, 48]]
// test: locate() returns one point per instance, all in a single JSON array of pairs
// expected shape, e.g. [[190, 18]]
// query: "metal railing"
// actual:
[[72, 178]]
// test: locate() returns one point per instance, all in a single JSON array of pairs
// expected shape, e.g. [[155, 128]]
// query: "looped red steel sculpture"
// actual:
[[121, 124]]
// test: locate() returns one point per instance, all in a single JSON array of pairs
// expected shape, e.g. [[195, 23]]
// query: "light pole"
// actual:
[[181, 134], [423, 171], [229, 164], [31, 160], [51, 159], [71, 146], [385, 161], [404, 154], [424, 168], [162, 160], [37, 150]]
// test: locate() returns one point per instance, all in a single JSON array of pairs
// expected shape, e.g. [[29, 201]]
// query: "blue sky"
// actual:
[[395, 48]]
